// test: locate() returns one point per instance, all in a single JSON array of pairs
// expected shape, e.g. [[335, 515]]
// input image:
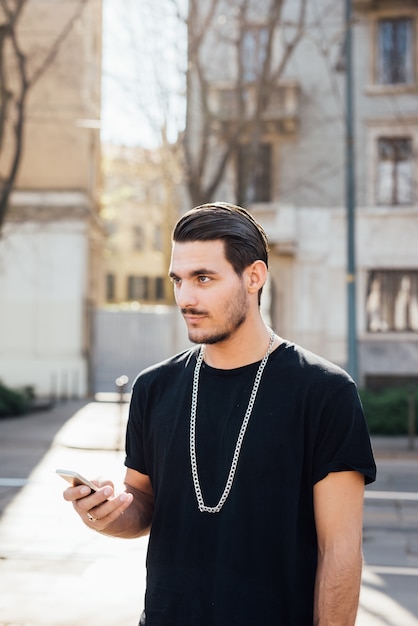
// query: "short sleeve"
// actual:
[[135, 458], [342, 439]]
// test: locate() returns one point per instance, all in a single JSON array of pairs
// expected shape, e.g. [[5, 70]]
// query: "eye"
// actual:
[[203, 279], [175, 280]]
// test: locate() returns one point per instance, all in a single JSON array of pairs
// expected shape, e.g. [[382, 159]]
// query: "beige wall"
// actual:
[[59, 151], [52, 242]]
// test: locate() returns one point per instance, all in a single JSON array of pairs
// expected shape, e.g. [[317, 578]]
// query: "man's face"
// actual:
[[208, 291]]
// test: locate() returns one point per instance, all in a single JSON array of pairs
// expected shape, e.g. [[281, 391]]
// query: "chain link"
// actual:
[[193, 459]]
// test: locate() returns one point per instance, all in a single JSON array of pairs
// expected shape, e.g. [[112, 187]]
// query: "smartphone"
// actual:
[[75, 479]]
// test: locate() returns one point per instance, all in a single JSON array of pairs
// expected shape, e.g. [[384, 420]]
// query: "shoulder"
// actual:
[[312, 378], [169, 368], [302, 362]]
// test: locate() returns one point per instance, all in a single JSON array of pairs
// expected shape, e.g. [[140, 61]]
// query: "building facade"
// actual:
[[297, 182], [140, 205], [50, 250]]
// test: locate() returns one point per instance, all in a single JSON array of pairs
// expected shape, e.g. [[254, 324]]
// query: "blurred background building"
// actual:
[[260, 93], [271, 86], [51, 240], [138, 323], [139, 208]]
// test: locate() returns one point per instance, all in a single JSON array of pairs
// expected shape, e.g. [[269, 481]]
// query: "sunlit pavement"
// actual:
[[377, 607], [389, 594], [56, 572]]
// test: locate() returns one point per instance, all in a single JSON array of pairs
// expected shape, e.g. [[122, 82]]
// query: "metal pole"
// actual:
[[121, 383], [350, 201], [411, 417]]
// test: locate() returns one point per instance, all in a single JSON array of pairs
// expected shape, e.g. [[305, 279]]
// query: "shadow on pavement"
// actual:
[[24, 441]]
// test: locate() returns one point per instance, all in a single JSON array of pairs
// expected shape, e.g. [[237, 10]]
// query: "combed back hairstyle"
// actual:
[[244, 239]]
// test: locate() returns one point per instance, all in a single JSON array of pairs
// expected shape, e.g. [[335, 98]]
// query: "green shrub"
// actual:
[[13, 401], [387, 411]]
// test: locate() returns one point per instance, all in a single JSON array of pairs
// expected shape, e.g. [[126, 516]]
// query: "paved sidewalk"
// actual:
[[56, 572], [53, 570]]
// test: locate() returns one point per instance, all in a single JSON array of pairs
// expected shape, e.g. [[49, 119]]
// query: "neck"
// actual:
[[242, 348]]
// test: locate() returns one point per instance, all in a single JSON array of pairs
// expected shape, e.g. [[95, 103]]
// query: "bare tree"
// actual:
[[216, 33], [149, 91], [208, 146], [19, 73]]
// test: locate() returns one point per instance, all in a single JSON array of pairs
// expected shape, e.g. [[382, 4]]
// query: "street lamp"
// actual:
[[352, 358]]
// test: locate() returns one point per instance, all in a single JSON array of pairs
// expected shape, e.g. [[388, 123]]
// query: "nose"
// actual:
[[185, 295]]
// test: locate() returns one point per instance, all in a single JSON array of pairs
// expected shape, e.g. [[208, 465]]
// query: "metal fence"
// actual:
[[125, 342]]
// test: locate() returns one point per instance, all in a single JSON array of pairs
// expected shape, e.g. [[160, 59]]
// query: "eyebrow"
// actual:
[[199, 272]]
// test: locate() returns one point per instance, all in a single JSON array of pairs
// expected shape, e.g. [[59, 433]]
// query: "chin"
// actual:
[[208, 338], [198, 338]]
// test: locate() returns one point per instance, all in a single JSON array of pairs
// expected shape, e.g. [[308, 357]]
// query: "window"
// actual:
[[395, 171], [254, 174], [138, 238], [159, 288], [138, 288], [110, 287], [253, 52], [395, 51], [392, 157], [392, 301], [158, 238], [111, 227]]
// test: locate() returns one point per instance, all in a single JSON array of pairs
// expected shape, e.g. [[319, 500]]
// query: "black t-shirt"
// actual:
[[254, 562]]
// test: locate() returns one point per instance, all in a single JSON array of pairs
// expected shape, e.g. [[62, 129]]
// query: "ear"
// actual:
[[256, 276]]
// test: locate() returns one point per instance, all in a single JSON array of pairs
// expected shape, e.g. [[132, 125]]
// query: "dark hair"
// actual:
[[244, 239]]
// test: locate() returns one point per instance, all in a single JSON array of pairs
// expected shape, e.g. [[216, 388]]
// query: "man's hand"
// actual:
[[127, 514], [101, 508]]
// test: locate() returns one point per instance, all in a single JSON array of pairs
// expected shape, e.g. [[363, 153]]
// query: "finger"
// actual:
[[76, 493], [118, 503], [101, 516], [92, 500]]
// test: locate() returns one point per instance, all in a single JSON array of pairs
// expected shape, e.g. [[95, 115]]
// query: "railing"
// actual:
[[282, 108]]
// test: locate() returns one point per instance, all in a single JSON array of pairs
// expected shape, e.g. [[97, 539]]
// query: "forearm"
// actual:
[[135, 521], [337, 588]]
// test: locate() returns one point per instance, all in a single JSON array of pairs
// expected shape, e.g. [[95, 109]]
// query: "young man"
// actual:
[[246, 455]]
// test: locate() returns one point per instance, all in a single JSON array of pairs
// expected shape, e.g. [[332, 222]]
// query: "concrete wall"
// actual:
[[306, 220], [43, 272], [309, 286]]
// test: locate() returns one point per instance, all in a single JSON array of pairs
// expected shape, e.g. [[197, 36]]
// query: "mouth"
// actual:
[[193, 316]]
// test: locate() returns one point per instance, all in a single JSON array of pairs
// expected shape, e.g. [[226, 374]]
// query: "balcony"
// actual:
[[364, 5], [369, 5], [280, 223], [281, 114]]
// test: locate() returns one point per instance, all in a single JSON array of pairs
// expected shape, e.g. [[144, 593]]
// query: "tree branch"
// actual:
[[204, 185], [56, 46], [19, 96], [20, 105], [300, 28]]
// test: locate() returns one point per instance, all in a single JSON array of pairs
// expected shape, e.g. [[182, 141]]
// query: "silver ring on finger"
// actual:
[[91, 518]]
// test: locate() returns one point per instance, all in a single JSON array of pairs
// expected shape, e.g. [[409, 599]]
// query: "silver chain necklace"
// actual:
[[193, 460]]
